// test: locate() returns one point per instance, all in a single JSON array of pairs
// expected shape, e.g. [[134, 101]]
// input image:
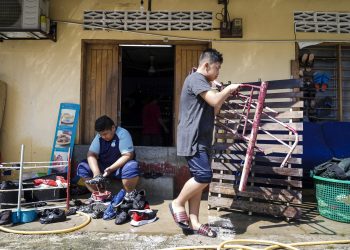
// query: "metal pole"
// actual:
[[253, 136], [20, 184]]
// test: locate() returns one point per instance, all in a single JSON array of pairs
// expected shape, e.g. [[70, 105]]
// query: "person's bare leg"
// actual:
[[130, 184], [190, 189], [194, 205]]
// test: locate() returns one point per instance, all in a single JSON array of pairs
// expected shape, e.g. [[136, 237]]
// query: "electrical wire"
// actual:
[[202, 40]]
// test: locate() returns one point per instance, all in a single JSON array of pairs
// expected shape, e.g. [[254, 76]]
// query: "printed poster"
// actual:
[[66, 128]]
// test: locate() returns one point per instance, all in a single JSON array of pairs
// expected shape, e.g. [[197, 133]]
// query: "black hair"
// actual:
[[212, 55], [103, 123]]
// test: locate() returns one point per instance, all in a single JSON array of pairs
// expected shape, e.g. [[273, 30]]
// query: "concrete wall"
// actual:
[[42, 74]]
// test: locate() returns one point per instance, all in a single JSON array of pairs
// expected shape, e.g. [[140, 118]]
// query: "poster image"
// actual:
[[60, 156], [63, 138], [67, 117]]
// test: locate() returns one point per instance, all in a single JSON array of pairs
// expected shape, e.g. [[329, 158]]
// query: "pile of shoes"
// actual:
[[132, 207], [52, 215]]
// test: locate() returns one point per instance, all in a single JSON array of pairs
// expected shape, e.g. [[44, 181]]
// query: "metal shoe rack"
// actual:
[[23, 166]]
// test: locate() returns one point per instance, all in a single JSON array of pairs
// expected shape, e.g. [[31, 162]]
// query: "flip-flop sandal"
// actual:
[[205, 230], [180, 218], [303, 60]]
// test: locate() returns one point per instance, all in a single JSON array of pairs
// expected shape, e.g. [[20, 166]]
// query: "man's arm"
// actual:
[[119, 163], [216, 99], [93, 164]]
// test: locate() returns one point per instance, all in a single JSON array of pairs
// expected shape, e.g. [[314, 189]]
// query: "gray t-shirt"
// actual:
[[196, 117]]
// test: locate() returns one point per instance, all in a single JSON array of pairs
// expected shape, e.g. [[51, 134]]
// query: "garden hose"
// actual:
[[274, 245], [67, 230]]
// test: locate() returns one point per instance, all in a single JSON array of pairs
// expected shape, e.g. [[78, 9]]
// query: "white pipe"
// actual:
[[20, 184]]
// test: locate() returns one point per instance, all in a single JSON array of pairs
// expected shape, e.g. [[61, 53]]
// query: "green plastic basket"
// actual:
[[333, 198]]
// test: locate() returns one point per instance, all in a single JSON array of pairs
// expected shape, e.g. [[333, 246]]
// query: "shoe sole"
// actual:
[[142, 222]]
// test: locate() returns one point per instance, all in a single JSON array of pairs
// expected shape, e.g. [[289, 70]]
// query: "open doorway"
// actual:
[[147, 92]]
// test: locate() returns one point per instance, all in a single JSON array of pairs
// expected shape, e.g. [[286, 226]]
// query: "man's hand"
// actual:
[[233, 87], [108, 171]]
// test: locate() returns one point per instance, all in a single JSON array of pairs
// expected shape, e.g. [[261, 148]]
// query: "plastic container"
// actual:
[[333, 198], [24, 216]]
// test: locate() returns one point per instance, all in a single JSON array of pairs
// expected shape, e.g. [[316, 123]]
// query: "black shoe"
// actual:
[[5, 217], [8, 185], [122, 217], [138, 205], [129, 197], [57, 215], [71, 211], [97, 180], [125, 206]]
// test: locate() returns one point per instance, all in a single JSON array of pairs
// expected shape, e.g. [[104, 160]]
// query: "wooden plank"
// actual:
[[271, 96], [261, 193], [288, 114], [258, 158], [295, 172], [275, 159], [256, 207], [226, 166], [273, 181], [261, 137], [267, 148]]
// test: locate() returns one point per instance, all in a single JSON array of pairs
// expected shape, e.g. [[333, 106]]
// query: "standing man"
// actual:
[[198, 106], [111, 154]]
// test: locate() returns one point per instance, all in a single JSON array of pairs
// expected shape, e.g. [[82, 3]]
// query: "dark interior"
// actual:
[[147, 71]]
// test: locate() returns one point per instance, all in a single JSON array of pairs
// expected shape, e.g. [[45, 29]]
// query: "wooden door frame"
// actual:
[[86, 42]]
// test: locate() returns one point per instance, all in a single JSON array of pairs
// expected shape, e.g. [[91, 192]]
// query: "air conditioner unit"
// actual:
[[17, 15]]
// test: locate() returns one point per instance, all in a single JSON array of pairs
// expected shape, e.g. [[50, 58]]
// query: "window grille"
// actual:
[[150, 20], [322, 22]]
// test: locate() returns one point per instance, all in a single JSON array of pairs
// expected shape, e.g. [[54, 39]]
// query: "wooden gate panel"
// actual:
[[271, 189]]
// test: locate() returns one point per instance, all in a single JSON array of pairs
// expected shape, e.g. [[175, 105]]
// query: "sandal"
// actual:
[[303, 60], [310, 62], [180, 218], [205, 230]]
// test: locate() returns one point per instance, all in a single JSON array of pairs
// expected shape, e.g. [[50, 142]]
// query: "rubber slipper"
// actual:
[[303, 60], [180, 218], [205, 230]]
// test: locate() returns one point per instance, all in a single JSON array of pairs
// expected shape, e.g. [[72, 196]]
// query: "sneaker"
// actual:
[[109, 213], [118, 198], [71, 211], [5, 217], [129, 197], [141, 195], [143, 217], [122, 217], [57, 215], [98, 179]]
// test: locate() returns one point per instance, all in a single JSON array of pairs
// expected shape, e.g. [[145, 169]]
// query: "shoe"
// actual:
[[98, 179], [130, 196], [126, 205], [109, 213], [141, 195], [118, 198], [143, 217], [8, 185], [71, 211], [122, 218], [57, 215], [5, 217], [86, 209], [98, 213]]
